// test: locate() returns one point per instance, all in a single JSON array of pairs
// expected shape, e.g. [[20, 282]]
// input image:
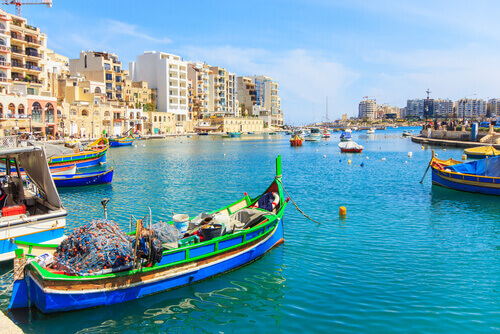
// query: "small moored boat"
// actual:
[[350, 147], [346, 136], [315, 135], [296, 140], [121, 141], [234, 134], [407, 133], [84, 179], [481, 152], [370, 131]]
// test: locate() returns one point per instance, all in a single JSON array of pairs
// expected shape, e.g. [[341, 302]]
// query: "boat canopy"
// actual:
[[486, 150], [52, 150], [484, 167], [34, 162]]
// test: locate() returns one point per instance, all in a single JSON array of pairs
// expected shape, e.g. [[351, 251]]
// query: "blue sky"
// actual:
[[391, 50]]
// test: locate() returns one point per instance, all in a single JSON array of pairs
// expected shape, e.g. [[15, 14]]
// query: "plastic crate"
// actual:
[[14, 210]]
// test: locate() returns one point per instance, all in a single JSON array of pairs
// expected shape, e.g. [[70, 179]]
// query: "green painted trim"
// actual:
[[26, 243]]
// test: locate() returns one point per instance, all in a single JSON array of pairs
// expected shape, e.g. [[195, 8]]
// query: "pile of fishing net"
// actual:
[[97, 245], [165, 232]]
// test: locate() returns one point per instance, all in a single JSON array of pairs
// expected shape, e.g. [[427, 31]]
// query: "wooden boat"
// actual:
[[326, 134], [92, 155], [51, 291], [31, 211], [480, 176], [296, 140], [64, 170], [84, 179], [481, 152], [350, 147], [121, 141]]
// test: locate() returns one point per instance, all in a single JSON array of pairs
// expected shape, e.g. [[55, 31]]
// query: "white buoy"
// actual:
[[406, 162], [223, 144], [324, 156], [224, 154], [383, 159], [410, 154], [367, 157]]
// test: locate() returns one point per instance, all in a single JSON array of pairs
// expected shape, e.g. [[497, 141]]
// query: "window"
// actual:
[[36, 112], [12, 109], [72, 112], [85, 113], [20, 109], [107, 67], [109, 76], [97, 90], [49, 113]]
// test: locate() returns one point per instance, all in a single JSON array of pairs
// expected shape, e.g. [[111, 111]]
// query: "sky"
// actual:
[[388, 50]]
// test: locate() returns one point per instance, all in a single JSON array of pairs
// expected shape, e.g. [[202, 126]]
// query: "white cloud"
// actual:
[[122, 28]]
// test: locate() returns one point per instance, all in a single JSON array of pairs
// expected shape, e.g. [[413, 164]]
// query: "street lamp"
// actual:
[[92, 126], [16, 128]]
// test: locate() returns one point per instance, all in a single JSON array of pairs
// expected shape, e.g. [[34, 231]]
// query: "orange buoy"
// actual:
[[342, 211]]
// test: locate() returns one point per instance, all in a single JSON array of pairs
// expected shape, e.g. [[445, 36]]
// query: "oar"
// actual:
[[423, 177]]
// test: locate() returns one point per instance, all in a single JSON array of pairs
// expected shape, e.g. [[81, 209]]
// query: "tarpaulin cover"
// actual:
[[53, 150], [484, 167], [350, 145]]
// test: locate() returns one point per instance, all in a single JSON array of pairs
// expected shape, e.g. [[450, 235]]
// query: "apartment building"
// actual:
[[199, 74], [443, 107], [493, 108], [167, 73], [222, 90], [138, 94], [246, 95], [367, 108], [387, 111], [471, 107], [415, 108], [102, 67], [260, 95], [26, 103]]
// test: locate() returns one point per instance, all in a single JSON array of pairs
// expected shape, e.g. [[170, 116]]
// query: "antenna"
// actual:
[[18, 3], [428, 92], [327, 108]]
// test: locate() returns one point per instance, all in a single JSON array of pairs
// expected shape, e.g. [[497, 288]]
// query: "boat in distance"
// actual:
[[480, 176], [261, 229], [84, 179], [121, 141], [296, 140], [350, 147], [315, 135], [31, 211]]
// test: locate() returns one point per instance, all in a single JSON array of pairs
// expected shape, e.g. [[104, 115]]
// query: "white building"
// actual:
[[367, 108], [168, 74], [443, 108], [471, 107], [415, 108]]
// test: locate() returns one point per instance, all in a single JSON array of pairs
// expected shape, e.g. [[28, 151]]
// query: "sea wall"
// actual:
[[449, 135]]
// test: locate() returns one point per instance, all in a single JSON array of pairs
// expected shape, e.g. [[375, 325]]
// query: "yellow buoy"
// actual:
[[342, 211], [464, 157], [423, 147], [349, 162]]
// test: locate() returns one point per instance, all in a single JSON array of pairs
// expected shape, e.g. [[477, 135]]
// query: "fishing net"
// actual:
[[165, 232], [97, 245]]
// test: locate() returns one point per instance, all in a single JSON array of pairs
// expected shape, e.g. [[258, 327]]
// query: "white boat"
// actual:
[[31, 211], [315, 135], [407, 133], [370, 131]]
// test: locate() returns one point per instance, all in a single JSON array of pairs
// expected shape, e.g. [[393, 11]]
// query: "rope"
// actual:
[[296, 206], [9, 287]]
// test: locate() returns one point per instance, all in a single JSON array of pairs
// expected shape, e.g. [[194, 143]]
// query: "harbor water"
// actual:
[[407, 257]]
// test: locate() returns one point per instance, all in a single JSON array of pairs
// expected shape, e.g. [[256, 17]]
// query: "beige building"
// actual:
[[160, 122], [199, 74], [222, 90], [246, 94], [240, 124], [101, 67], [138, 94]]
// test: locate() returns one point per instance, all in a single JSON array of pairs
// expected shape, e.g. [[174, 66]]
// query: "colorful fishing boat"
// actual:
[[326, 134], [84, 179], [261, 229], [481, 152], [234, 134], [92, 154], [350, 147], [296, 140], [30, 211], [121, 141], [480, 176]]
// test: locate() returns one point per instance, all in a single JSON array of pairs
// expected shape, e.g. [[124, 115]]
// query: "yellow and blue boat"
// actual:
[[84, 179], [92, 155], [481, 152], [480, 176], [122, 141]]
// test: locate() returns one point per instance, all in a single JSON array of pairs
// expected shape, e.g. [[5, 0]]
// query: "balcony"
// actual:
[[33, 54], [18, 65], [17, 38], [33, 68], [31, 27], [4, 64], [4, 32], [32, 41], [4, 49], [4, 17], [5, 80]]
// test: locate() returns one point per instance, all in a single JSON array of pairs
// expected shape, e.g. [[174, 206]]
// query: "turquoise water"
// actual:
[[408, 256]]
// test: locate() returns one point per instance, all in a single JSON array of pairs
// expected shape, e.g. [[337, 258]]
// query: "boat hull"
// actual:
[[297, 142], [121, 142], [36, 229], [49, 300], [84, 179], [351, 150], [468, 183]]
